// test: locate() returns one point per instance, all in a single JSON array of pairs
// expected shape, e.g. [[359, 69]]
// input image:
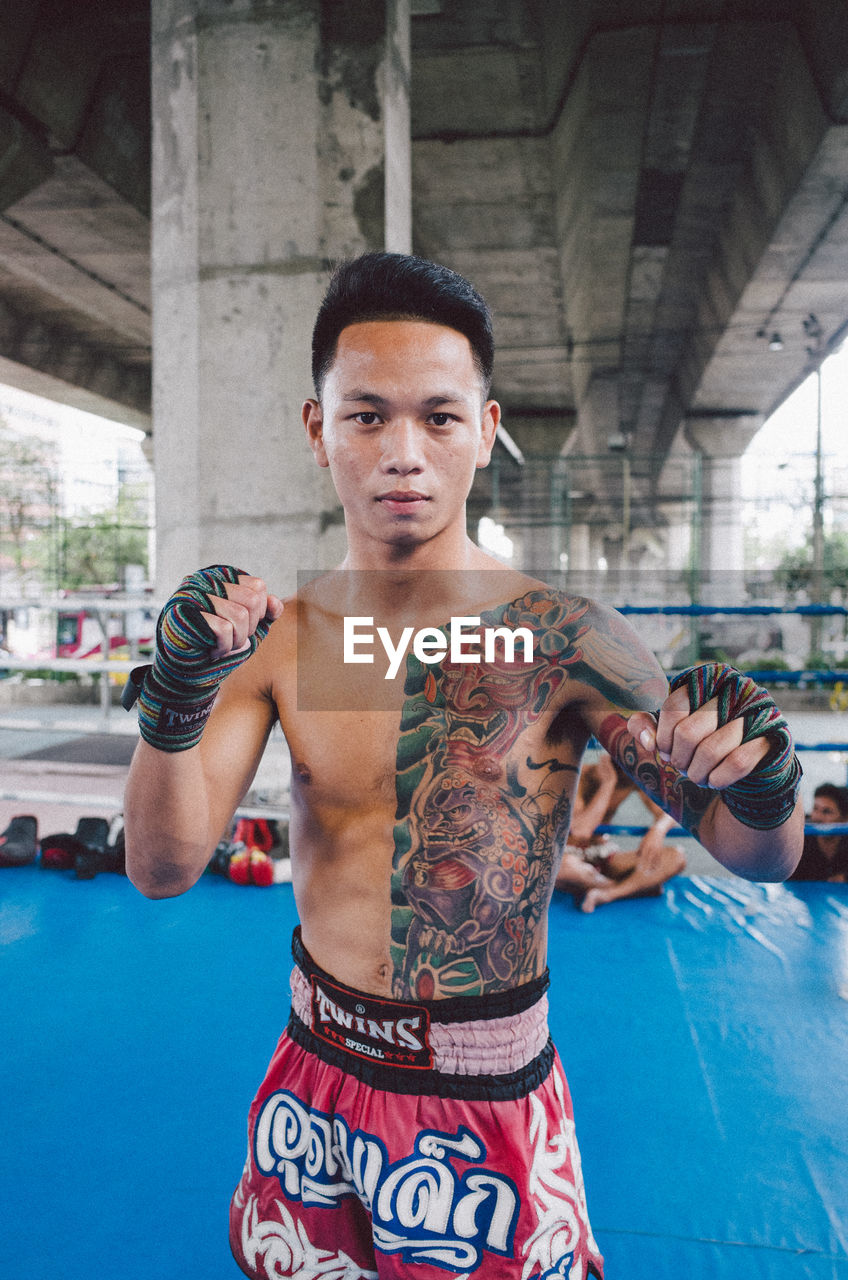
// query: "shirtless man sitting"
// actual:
[[415, 1119], [593, 868]]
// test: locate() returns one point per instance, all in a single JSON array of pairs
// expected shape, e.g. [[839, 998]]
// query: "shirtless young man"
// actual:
[[593, 868], [415, 1120]]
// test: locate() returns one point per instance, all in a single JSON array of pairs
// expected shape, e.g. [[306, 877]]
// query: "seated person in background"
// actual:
[[826, 857], [594, 866]]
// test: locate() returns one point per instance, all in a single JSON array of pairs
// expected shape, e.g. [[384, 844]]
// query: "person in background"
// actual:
[[826, 857], [593, 867]]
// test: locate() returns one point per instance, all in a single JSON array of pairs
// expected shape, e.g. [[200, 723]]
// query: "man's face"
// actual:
[[825, 809], [402, 425]]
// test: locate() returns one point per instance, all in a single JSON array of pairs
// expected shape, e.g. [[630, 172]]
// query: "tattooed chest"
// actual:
[[483, 803], [472, 877]]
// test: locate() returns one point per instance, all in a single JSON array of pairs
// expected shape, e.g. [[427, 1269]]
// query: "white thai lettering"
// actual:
[[483, 1189], [421, 1207], [418, 1194]]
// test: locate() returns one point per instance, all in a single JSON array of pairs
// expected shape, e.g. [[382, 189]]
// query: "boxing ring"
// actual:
[[704, 1034]]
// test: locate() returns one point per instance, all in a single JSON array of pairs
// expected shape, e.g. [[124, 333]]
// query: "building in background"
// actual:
[[76, 526]]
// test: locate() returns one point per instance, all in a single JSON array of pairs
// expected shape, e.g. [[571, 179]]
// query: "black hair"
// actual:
[[400, 286], [839, 795]]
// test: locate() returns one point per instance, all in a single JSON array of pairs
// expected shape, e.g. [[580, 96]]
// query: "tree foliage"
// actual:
[[28, 502], [40, 546], [795, 571], [95, 549]]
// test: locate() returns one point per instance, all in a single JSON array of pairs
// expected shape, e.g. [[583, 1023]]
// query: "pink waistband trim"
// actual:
[[489, 1046]]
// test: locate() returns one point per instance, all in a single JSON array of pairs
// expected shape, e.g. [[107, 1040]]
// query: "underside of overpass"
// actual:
[[652, 196]]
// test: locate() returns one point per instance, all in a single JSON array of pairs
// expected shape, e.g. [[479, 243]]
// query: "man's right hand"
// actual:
[[241, 614], [211, 624]]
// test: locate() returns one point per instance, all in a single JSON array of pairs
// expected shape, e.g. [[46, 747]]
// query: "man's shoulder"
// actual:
[[564, 622], [541, 604], [602, 652]]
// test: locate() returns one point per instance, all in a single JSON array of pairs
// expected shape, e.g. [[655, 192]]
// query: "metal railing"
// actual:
[[79, 667]]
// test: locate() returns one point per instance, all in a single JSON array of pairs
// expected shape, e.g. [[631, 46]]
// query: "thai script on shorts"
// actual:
[[422, 1208]]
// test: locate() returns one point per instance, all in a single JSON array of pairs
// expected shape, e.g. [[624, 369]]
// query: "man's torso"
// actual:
[[428, 818]]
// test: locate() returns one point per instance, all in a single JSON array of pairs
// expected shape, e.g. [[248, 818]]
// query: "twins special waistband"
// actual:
[[494, 1045]]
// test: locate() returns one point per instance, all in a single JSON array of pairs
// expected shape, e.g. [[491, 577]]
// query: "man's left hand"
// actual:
[[709, 754]]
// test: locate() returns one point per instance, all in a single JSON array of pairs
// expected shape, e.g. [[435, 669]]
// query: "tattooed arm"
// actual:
[[681, 760]]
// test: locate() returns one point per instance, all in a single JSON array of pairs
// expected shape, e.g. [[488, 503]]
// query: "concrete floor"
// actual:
[[60, 790]]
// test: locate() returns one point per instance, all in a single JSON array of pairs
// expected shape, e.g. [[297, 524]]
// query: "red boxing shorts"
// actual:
[[395, 1140]]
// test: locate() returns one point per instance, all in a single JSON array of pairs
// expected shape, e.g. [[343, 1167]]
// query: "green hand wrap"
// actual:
[[767, 796], [181, 686]]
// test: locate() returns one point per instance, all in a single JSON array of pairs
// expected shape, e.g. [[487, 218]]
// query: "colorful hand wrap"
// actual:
[[181, 686], [767, 796]]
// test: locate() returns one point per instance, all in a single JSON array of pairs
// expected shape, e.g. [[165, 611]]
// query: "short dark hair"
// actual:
[[400, 286], [839, 795]]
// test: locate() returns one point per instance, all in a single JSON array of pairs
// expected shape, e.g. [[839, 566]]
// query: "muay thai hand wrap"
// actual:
[[180, 688], [767, 796]]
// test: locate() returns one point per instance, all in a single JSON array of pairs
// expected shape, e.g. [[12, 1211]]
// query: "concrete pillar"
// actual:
[[598, 546], [615, 554], [281, 143], [676, 536], [580, 550], [598, 422], [597, 152], [541, 437], [598, 415], [720, 441]]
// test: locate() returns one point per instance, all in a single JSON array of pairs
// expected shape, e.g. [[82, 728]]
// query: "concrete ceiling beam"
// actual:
[[25, 159], [49, 361]]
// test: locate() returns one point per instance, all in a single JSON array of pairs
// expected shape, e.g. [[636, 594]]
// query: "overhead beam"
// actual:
[[25, 159], [46, 360]]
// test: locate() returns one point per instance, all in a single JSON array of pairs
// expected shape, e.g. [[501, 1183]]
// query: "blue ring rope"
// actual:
[[626, 829], [594, 745], [706, 610]]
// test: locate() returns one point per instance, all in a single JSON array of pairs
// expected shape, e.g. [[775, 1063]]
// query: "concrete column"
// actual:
[[597, 152], [676, 536], [598, 415], [281, 143], [541, 439], [580, 553], [721, 441], [614, 554]]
